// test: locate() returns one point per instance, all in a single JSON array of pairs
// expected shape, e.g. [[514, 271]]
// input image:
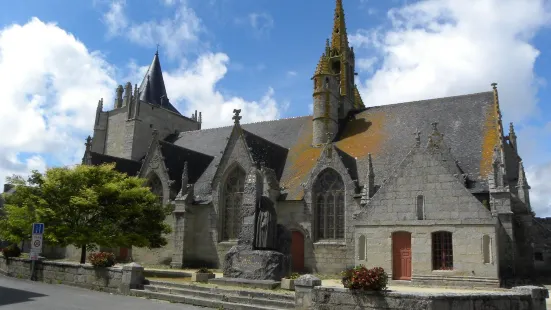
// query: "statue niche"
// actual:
[[265, 225]]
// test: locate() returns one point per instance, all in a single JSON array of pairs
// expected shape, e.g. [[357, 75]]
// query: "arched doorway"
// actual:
[[401, 255], [297, 250]]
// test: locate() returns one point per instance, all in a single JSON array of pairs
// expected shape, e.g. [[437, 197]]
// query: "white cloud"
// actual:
[[435, 48], [262, 23], [182, 29], [115, 19], [193, 86], [446, 47], [539, 178], [51, 84], [291, 73]]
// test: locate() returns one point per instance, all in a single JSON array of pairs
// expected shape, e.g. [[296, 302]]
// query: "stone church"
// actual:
[[431, 190]]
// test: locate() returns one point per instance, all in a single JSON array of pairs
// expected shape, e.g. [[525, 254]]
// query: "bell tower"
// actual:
[[335, 93]]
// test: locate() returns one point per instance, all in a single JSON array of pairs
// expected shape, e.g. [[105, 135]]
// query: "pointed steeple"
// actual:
[[522, 182], [185, 180], [152, 88], [523, 187], [339, 40], [512, 136]]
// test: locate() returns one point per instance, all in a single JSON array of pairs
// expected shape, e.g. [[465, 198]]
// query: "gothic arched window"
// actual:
[[232, 199], [329, 203], [156, 186]]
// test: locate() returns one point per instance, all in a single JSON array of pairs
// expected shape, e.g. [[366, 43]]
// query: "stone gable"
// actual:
[[422, 173]]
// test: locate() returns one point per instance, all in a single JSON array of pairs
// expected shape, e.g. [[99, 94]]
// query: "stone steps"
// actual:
[[224, 290], [215, 297]]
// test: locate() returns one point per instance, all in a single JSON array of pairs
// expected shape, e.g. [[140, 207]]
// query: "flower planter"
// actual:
[[288, 284], [202, 277]]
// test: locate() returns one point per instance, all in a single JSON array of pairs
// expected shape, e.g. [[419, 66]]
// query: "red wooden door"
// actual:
[[401, 256], [123, 254], [297, 250]]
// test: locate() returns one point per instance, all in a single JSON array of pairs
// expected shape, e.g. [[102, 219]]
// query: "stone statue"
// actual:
[[266, 225]]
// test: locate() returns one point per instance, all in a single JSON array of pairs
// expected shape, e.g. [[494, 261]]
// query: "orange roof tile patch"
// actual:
[[301, 160], [364, 135], [490, 140]]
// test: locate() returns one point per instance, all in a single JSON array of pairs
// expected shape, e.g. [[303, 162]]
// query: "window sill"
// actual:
[[444, 270], [331, 242]]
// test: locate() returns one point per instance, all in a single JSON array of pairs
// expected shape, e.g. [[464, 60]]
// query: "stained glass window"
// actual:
[[329, 200], [233, 197], [156, 187]]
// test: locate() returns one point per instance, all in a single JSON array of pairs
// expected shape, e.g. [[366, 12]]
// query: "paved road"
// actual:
[[21, 294]]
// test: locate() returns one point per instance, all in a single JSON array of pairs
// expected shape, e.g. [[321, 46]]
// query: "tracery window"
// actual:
[[233, 198], [329, 202], [156, 186], [442, 250]]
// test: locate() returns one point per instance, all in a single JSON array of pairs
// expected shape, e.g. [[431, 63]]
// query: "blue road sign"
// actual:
[[38, 228]]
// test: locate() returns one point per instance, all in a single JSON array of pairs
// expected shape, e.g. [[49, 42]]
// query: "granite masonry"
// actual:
[[119, 279], [434, 191], [311, 295]]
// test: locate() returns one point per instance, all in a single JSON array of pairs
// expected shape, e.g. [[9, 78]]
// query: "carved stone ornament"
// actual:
[[155, 162]]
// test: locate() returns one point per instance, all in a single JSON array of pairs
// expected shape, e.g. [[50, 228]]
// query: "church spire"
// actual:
[[152, 89], [339, 40]]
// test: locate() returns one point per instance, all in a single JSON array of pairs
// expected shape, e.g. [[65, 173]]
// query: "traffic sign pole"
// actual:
[[36, 246]]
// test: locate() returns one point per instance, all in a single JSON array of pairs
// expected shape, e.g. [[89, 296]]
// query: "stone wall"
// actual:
[[426, 196], [467, 245], [114, 279], [521, 298]]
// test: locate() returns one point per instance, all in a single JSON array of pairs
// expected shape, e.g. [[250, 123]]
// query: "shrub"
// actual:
[[293, 276], [203, 270], [11, 251], [102, 259], [361, 278]]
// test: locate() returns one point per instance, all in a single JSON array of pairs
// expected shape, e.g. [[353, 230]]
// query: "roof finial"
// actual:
[[494, 86], [417, 134], [434, 127], [88, 143], [236, 116], [157, 52]]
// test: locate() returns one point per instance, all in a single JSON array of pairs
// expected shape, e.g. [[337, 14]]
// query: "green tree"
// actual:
[[89, 205], [20, 208]]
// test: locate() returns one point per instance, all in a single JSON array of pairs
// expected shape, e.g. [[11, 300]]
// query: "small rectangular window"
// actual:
[[538, 256], [420, 207]]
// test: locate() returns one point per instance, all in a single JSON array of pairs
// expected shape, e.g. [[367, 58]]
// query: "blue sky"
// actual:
[[58, 58]]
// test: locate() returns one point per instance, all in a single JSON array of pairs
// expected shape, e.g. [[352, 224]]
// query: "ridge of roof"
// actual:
[[183, 148], [245, 124], [427, 100]]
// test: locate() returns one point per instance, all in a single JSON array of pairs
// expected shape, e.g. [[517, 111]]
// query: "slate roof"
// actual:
[[175, 156], [153, 88], [130, 167], [264, 151], [469, 125]]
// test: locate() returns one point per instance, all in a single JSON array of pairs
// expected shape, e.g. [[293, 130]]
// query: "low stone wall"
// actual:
[[309, 295], [118, 279]]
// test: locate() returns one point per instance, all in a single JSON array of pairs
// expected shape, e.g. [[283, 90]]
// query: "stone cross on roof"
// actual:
[[236, 117]]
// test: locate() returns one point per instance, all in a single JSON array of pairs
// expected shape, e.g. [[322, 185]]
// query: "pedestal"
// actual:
[[256, 264]]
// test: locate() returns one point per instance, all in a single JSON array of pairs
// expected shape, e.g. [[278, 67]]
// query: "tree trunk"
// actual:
[[83, 255]]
